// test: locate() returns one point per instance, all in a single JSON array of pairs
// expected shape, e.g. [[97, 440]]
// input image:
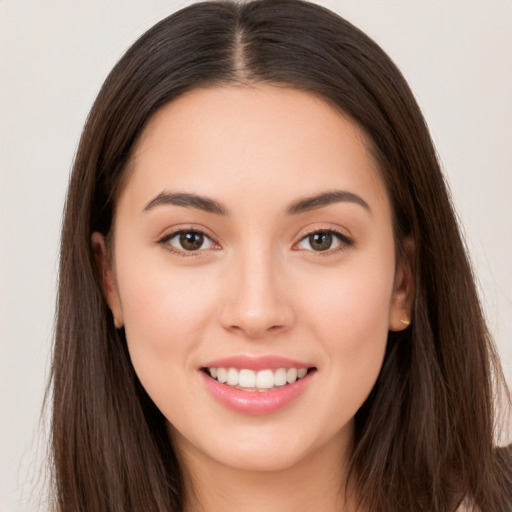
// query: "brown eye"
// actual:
[[187, 241], [191, 240], [320, 241], [324, 240]]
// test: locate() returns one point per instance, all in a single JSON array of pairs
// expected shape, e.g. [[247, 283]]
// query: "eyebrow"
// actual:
[[206, 204], [325, 199], [187, 201]]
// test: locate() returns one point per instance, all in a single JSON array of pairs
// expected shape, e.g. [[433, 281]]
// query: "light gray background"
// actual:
[[54, 56]]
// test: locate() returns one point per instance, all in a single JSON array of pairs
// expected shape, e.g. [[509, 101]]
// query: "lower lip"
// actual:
[[256, 402]]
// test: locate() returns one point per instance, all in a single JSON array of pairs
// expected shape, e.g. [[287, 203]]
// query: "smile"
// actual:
[[257, 386], [263, 380]]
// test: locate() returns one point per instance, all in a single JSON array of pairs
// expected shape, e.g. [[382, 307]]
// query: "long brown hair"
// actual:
[[425, 436]]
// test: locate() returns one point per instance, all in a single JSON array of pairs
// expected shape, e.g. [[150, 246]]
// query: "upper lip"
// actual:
[[272, 362]]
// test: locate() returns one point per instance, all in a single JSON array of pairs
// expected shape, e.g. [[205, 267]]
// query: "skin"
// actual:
[[257, 288]]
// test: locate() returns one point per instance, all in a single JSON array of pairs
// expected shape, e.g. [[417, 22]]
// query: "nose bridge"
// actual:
[[256, 300]]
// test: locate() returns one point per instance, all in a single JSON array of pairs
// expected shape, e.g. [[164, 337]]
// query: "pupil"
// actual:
[[191, 241], [320, 241]]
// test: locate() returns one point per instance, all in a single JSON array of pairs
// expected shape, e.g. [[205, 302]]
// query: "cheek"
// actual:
[[355, 332], [164, 316], [349, 303], [163, 302], [350, 316]]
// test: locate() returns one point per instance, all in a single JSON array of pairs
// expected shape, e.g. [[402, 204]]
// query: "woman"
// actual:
[[264, 299]]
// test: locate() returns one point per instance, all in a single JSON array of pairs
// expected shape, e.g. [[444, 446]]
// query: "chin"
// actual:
[[274, 460], [260, 449]]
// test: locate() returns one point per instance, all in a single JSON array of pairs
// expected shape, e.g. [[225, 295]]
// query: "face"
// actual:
[[253, 269]]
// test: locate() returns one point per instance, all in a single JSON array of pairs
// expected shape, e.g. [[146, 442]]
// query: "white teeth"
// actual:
[[257, 381], [291, 375], [265, 379], [280, 377], [232, 377], [247, 379], [222, 375]]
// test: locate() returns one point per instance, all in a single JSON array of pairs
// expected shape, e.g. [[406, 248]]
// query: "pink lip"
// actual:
[[256, 402], [256, 363]]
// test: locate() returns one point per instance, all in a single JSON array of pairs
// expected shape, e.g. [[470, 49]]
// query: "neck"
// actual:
[[317, 482]]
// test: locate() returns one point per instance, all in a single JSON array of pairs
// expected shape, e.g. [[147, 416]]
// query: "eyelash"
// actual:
[[343, 240], [183, 252]]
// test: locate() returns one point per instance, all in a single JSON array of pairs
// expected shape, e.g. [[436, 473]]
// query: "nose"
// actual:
[[257, 299]]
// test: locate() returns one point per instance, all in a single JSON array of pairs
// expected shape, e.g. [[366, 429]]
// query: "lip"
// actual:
[[256, 402], [256, 362]]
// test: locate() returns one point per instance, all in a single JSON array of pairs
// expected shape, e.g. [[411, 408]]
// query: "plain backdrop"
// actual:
[[54, 56]]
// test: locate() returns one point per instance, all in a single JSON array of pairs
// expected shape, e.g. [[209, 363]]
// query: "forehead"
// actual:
[[269, 140]]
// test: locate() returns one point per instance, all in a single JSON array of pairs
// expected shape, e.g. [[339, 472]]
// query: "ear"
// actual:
[[107, 279], [403, 291]]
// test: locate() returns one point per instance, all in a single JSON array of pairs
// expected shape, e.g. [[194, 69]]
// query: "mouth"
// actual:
[[263, 380], [257, 385]]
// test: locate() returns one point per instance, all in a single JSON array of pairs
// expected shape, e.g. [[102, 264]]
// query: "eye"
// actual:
[[324, 240], [188, 241]]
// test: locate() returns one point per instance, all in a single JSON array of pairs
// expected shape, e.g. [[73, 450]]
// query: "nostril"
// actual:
[[255, 330]]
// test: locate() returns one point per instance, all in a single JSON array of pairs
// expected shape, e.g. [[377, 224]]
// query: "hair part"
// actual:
[[425, 435]]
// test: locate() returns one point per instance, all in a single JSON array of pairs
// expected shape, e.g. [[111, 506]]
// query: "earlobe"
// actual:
[[107, 280], [403, 291]]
